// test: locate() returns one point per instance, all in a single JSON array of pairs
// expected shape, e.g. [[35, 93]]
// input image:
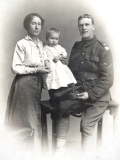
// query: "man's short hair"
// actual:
[[29, 18], [50, 31], [86, 16]]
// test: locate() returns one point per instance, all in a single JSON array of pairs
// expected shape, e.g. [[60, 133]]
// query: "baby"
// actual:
[[60, 81]]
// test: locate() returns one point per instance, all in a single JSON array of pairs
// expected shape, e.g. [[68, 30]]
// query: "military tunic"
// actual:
[[91, 64]]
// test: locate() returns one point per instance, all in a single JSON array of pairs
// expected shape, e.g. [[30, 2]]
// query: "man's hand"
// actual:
[[83, 95], [63, 60]]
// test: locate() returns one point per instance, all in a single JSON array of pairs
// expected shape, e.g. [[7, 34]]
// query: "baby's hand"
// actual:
[[57, 58]]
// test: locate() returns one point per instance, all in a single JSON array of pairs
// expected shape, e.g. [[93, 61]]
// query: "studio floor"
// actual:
[[110, 149]]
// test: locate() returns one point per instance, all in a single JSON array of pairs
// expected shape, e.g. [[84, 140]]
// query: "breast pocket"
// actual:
[[92, 62]]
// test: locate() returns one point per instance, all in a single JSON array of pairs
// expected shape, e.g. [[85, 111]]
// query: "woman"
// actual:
[[23, 110]]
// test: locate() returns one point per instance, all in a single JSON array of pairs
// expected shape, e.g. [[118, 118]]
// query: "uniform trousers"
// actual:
[[92, 114]]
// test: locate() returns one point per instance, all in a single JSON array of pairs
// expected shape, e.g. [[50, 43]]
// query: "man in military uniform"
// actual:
[[91, 63]]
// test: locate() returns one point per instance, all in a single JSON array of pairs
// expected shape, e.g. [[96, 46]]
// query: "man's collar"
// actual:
[[89, 41]]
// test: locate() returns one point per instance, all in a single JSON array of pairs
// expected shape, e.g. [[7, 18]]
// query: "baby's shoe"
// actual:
[[60, 147], [60, 152]]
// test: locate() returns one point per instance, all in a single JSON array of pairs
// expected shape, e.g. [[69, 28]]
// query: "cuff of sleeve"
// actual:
[[31, 70], [27, 70], [36, 69], [91, 95], [95, 95]]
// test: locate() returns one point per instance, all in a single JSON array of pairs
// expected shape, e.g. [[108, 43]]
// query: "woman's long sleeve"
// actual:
[[18, 65]]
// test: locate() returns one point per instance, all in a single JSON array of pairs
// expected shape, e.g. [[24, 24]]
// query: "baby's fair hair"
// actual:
[[50, 31]]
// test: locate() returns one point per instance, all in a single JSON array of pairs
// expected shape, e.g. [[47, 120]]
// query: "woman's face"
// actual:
[[35, 26]]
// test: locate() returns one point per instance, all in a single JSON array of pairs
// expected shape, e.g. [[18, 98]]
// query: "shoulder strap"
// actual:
[[104, 45]]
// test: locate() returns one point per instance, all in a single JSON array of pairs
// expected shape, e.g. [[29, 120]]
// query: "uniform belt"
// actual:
[[90, 76], [86, 75]]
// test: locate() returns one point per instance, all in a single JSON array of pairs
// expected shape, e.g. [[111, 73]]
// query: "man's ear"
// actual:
[[93, 27]]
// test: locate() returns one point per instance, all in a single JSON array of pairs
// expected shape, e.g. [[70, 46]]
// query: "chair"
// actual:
[[46, 108], [113, 108]]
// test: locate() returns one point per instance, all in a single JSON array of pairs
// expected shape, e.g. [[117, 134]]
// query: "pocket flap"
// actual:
[[92, 58]]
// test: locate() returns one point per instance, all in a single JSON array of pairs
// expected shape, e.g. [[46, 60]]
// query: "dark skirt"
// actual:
[[23, 106]]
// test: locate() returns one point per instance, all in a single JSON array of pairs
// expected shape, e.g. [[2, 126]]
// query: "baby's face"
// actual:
[[53, 39]]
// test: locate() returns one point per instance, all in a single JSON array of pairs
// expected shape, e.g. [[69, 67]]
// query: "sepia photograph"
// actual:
[[60, 80]]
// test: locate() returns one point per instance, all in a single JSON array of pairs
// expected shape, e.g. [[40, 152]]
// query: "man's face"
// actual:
[[86, 28]]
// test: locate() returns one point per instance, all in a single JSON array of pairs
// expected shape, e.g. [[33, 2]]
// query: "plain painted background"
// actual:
[[62, 15]]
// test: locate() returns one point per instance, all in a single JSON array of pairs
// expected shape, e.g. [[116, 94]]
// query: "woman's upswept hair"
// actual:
[[86, 16], [50, 31], [29, 18]]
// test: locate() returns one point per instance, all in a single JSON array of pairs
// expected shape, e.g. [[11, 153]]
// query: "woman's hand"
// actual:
[[43, 70], [83, 95], [48, 69], [47, 66]]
